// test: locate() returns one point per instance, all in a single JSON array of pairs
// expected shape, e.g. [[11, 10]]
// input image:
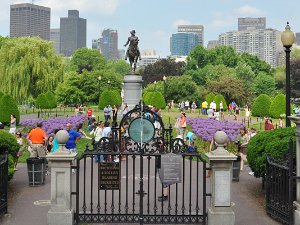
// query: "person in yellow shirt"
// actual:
[[204, 107]]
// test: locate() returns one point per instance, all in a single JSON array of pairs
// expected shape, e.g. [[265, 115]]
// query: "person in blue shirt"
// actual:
[[74, 137]]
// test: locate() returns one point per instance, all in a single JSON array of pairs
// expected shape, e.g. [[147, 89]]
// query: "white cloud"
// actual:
[[180, 22], [225, 22], [248, 10]]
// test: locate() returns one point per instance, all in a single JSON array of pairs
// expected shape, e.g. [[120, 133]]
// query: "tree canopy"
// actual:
[[28, 67]]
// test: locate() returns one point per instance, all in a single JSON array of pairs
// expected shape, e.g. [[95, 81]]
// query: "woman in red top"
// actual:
[[89, 112]]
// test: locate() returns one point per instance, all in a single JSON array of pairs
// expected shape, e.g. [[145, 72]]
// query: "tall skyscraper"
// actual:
[[249, 23], [30, 20], [198, 29], [264, 43], [183, 43], [55, 38], [72, 33], [109, 44]]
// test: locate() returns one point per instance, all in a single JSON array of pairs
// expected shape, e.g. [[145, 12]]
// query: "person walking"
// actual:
[[36, 140], [74, 136], [21, 148], [13, 124]]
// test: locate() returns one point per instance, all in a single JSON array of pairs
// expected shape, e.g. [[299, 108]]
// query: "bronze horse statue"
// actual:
[[133, 52]]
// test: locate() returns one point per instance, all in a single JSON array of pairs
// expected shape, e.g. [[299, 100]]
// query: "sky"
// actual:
[[156, 20]]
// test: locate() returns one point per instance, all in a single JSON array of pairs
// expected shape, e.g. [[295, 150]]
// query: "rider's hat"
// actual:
[[132, 32]]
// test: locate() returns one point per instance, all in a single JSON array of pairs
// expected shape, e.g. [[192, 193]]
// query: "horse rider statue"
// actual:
[[132, 41]]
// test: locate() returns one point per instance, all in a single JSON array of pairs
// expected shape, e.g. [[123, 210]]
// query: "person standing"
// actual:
[[125, 109], [204, 107], [74, 136], [280, 122], [21, 148], [182, 124], [13, 124], [106, 113], [36, 140], [114, 115]]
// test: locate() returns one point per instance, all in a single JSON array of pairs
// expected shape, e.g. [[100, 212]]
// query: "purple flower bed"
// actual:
[[49, 125], [206, 128]]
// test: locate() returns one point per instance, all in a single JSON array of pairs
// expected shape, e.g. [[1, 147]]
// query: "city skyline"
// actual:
[[155, 21]]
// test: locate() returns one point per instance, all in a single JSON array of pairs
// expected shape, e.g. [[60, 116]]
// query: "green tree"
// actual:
[[87, 59], [159, 69], [261, 105], [42, 101], [8, 106], [279, 76], [118, 66], [28, 67], [110, 97], [264, 84], [245, 73], [230, 87], [225, 55], [256, 64], [278, 106], [295, 78], [197, 58], [51, 99]]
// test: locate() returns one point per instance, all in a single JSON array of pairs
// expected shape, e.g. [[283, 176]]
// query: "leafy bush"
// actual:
[[1, 94], [9, 143], [42, 101], [261, 105], [110, 97], [274, 142], [155, 98], [8, 106], [210, 97], [278, 106], [51, 99], [218, 98]]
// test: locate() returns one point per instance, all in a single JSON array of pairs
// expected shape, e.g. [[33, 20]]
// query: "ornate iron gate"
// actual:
[[130, 193], [3, 183], [280, 188]]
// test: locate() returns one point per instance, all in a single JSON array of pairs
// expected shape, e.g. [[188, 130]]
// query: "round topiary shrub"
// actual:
[[42, 101], [218, 98], [261, 105], [278, 106], [51, 99], [109, 97], [8, 143], [8, 106], [274, 143], [209, 98], [155, 98]]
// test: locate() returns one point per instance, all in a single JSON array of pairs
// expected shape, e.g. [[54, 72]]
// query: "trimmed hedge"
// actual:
[[8, 106], [110, 97], [278, 106], [209, 98], [274, 142], [261, 105], [9, 143], [218, 98], [154, 98]]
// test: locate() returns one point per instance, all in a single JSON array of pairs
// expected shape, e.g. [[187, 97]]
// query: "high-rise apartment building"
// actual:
[[198, 29], [109, 44], [264, 43], [183, 43], [212, 44], [55, 38], [30, 20], [249, 23], [72, 33]]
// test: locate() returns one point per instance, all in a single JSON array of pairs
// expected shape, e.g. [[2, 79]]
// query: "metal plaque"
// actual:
[[141, 130], [171, 166], [222, 188], [110, 176]]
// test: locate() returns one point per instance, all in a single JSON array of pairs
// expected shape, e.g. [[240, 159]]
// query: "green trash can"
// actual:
[[36, 168]]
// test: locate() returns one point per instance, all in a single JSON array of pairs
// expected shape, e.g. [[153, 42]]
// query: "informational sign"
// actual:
[[171, 167], [222, 188], [110, 176], [141, 130]]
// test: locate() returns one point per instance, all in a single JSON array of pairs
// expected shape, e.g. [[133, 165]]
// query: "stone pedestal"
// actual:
[[132, 89], [296, 120], [220, 211], [61, 212]]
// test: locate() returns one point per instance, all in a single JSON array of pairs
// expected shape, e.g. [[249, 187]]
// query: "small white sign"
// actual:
[[222, 188]]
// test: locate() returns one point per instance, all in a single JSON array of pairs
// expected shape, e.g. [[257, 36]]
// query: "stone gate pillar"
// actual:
[[61, 212], [220, 211], [296, 120]]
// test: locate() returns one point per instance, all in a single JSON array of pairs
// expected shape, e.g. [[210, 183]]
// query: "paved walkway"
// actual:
[[24, 208]]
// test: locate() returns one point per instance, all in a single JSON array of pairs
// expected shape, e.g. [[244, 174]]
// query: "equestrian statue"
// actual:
[[133, 52]]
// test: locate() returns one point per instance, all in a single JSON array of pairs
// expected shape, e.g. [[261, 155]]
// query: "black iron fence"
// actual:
[[3, 183], [280, 188]]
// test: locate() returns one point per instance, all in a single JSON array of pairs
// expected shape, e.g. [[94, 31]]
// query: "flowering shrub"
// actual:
[[49, 125], [206, 128]]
